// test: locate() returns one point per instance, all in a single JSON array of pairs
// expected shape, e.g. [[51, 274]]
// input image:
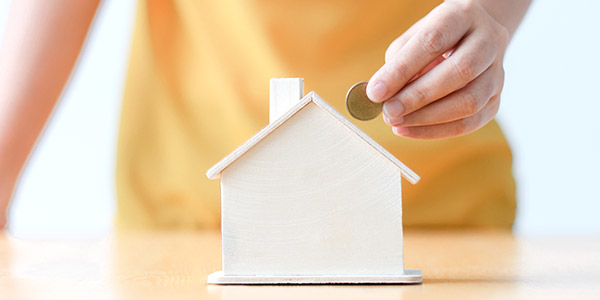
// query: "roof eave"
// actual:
[[215, 171]]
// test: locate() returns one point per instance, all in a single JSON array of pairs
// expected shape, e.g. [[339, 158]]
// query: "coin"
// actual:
[[358, 104]]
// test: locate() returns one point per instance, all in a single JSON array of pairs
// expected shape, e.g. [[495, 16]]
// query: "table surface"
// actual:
[[174, 265]]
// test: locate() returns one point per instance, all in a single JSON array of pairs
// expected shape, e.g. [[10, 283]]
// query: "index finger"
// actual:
[[441, 31]]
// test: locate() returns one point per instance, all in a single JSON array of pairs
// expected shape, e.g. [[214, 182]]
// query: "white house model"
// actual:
[[311, 199]]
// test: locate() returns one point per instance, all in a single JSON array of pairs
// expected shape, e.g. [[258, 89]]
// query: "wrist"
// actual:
[[508, 13]]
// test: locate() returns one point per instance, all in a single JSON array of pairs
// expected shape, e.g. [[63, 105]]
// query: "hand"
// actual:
[[443, 77]]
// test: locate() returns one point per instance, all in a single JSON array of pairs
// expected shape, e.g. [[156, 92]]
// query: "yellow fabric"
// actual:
[[198, 87]]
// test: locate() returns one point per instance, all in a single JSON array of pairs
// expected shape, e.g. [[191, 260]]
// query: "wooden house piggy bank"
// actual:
[[311, 199]]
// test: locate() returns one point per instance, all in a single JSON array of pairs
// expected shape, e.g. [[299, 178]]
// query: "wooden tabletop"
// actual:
[[174, 265]]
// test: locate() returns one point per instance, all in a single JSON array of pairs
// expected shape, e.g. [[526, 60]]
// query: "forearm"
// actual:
[[41, 45], [509, 13]]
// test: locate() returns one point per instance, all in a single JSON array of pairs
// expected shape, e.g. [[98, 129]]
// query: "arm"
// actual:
[[443, 77], [42, 42]]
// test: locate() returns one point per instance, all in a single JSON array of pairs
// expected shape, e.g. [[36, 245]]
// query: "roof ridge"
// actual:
[[215, 171], [409, 174]]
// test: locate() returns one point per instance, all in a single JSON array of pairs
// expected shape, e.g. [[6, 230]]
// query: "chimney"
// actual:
[[285, 93]]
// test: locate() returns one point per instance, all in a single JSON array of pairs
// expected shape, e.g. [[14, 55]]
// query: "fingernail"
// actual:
[[393, 109], [397, 121], [402, 131], [376, 92], [386, 120]]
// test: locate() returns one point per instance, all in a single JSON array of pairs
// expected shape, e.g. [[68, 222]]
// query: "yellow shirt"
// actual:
[[198, 87]]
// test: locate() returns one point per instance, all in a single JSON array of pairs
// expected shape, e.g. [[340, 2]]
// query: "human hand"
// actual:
[[443, 77]]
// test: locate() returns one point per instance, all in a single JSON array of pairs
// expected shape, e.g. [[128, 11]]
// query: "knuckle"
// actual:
[[432, 41], [391, 50], [460, 126], [502, 72], [501, 78], [476, 121], [418, 97], [496, 83], [495, 103], [388, 55], [485, 46], [397, 71], [469, 5], [469, 104], [465, 69]]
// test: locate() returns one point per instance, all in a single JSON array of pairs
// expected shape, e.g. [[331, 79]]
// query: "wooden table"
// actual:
[[174, 265]]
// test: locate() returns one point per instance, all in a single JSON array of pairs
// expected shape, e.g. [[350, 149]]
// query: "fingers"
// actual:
[[473, 56], [460, 104], [443, 77], [398, 43], [453, 128], [440, 31], [430, 66]]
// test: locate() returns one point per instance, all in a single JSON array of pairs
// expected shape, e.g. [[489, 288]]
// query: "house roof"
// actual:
[[215, 171]]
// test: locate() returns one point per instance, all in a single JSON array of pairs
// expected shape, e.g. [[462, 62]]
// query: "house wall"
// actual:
[[312, 199]]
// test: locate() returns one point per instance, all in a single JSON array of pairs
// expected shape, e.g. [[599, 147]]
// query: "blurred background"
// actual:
[[549, 113]]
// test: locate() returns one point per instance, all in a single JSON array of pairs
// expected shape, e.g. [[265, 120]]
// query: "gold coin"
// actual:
[[358, 104]]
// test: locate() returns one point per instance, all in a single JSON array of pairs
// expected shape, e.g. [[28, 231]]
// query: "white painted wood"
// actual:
[[312, 199], [312, 97], [409, 277], [409, 174], [284, 94]]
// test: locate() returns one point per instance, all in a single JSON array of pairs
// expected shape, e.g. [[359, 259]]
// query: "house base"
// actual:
[[409, 277]]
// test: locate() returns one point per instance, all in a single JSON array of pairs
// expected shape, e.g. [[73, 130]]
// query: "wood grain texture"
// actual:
[[312, 97], [312, 198], [175, 265]]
